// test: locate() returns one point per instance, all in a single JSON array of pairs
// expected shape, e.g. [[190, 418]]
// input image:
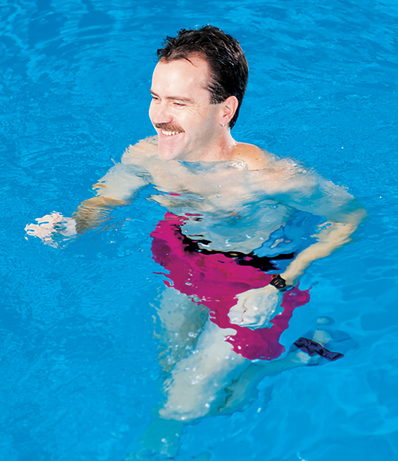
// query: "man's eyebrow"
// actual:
[[175, 98]]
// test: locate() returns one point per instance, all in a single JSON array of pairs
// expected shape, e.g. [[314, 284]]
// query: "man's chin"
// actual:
[[168, 152], [170, 147]]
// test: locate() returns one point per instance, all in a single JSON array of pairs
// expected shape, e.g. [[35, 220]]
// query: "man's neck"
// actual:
[[220, 150]]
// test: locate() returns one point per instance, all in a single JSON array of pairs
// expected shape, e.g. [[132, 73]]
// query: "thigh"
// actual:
[[198, 382], [180, 322]]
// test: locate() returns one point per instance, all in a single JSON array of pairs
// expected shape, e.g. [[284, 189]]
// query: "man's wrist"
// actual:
[[280, 283]]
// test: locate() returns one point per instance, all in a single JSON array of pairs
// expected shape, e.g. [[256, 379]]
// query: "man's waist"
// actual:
[[245, 259]]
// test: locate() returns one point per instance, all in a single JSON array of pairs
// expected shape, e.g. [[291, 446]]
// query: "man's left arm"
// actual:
[[255, 308], [342, 213], [333, 235]]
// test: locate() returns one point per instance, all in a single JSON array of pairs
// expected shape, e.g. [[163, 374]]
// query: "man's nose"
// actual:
[[159, 112]]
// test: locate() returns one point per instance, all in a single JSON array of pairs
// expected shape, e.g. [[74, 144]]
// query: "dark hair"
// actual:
[[229, 70]]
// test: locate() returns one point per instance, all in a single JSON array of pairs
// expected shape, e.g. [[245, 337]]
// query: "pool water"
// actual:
[[79, 376]]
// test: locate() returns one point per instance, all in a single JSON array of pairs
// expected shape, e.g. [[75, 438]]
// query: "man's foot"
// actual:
[[320, 346]]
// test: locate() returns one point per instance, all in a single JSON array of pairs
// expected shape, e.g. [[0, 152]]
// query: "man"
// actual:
[[235, 213]]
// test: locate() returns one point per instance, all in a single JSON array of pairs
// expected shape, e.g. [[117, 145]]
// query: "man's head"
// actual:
[[197, 87], [228, 66]]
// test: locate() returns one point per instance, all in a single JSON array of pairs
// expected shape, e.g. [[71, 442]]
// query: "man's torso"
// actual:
[[231, 205]]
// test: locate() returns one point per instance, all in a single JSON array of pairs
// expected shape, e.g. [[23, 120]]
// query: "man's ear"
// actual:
[[228, 109]]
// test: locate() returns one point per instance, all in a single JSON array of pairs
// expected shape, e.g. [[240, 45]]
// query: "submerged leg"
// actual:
[[195, 388], [181, 322], [243, 391], [197, 383], [159, 441]]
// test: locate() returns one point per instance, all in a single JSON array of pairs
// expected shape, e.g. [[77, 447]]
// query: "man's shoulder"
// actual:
[[257, 159], [282, 174], [252, 156]]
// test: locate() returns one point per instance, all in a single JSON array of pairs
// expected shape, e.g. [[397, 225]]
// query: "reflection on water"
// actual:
[[230, 208]]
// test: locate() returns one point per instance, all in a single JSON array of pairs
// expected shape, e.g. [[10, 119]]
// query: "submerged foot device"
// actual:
[[311, 347]]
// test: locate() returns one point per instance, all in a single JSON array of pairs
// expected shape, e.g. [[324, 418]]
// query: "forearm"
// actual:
[[331, 237], [93, 212]]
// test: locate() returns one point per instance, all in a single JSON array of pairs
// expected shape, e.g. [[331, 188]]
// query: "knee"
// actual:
[[185, 411]]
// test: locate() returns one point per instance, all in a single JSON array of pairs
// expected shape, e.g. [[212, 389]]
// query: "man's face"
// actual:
[[187, 124]]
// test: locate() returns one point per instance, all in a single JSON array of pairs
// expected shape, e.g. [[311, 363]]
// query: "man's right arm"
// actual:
[[91, 213], [116, 188]]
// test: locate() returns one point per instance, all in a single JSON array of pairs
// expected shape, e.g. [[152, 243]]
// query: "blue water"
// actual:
[[78, 366]]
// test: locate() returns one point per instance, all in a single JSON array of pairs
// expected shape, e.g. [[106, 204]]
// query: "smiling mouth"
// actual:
[[168, 130], [171, 133]]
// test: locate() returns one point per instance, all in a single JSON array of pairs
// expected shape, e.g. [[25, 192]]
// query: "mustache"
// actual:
[[168, 127]]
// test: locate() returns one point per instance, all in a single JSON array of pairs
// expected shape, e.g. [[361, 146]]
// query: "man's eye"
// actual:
[[179, 104]]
